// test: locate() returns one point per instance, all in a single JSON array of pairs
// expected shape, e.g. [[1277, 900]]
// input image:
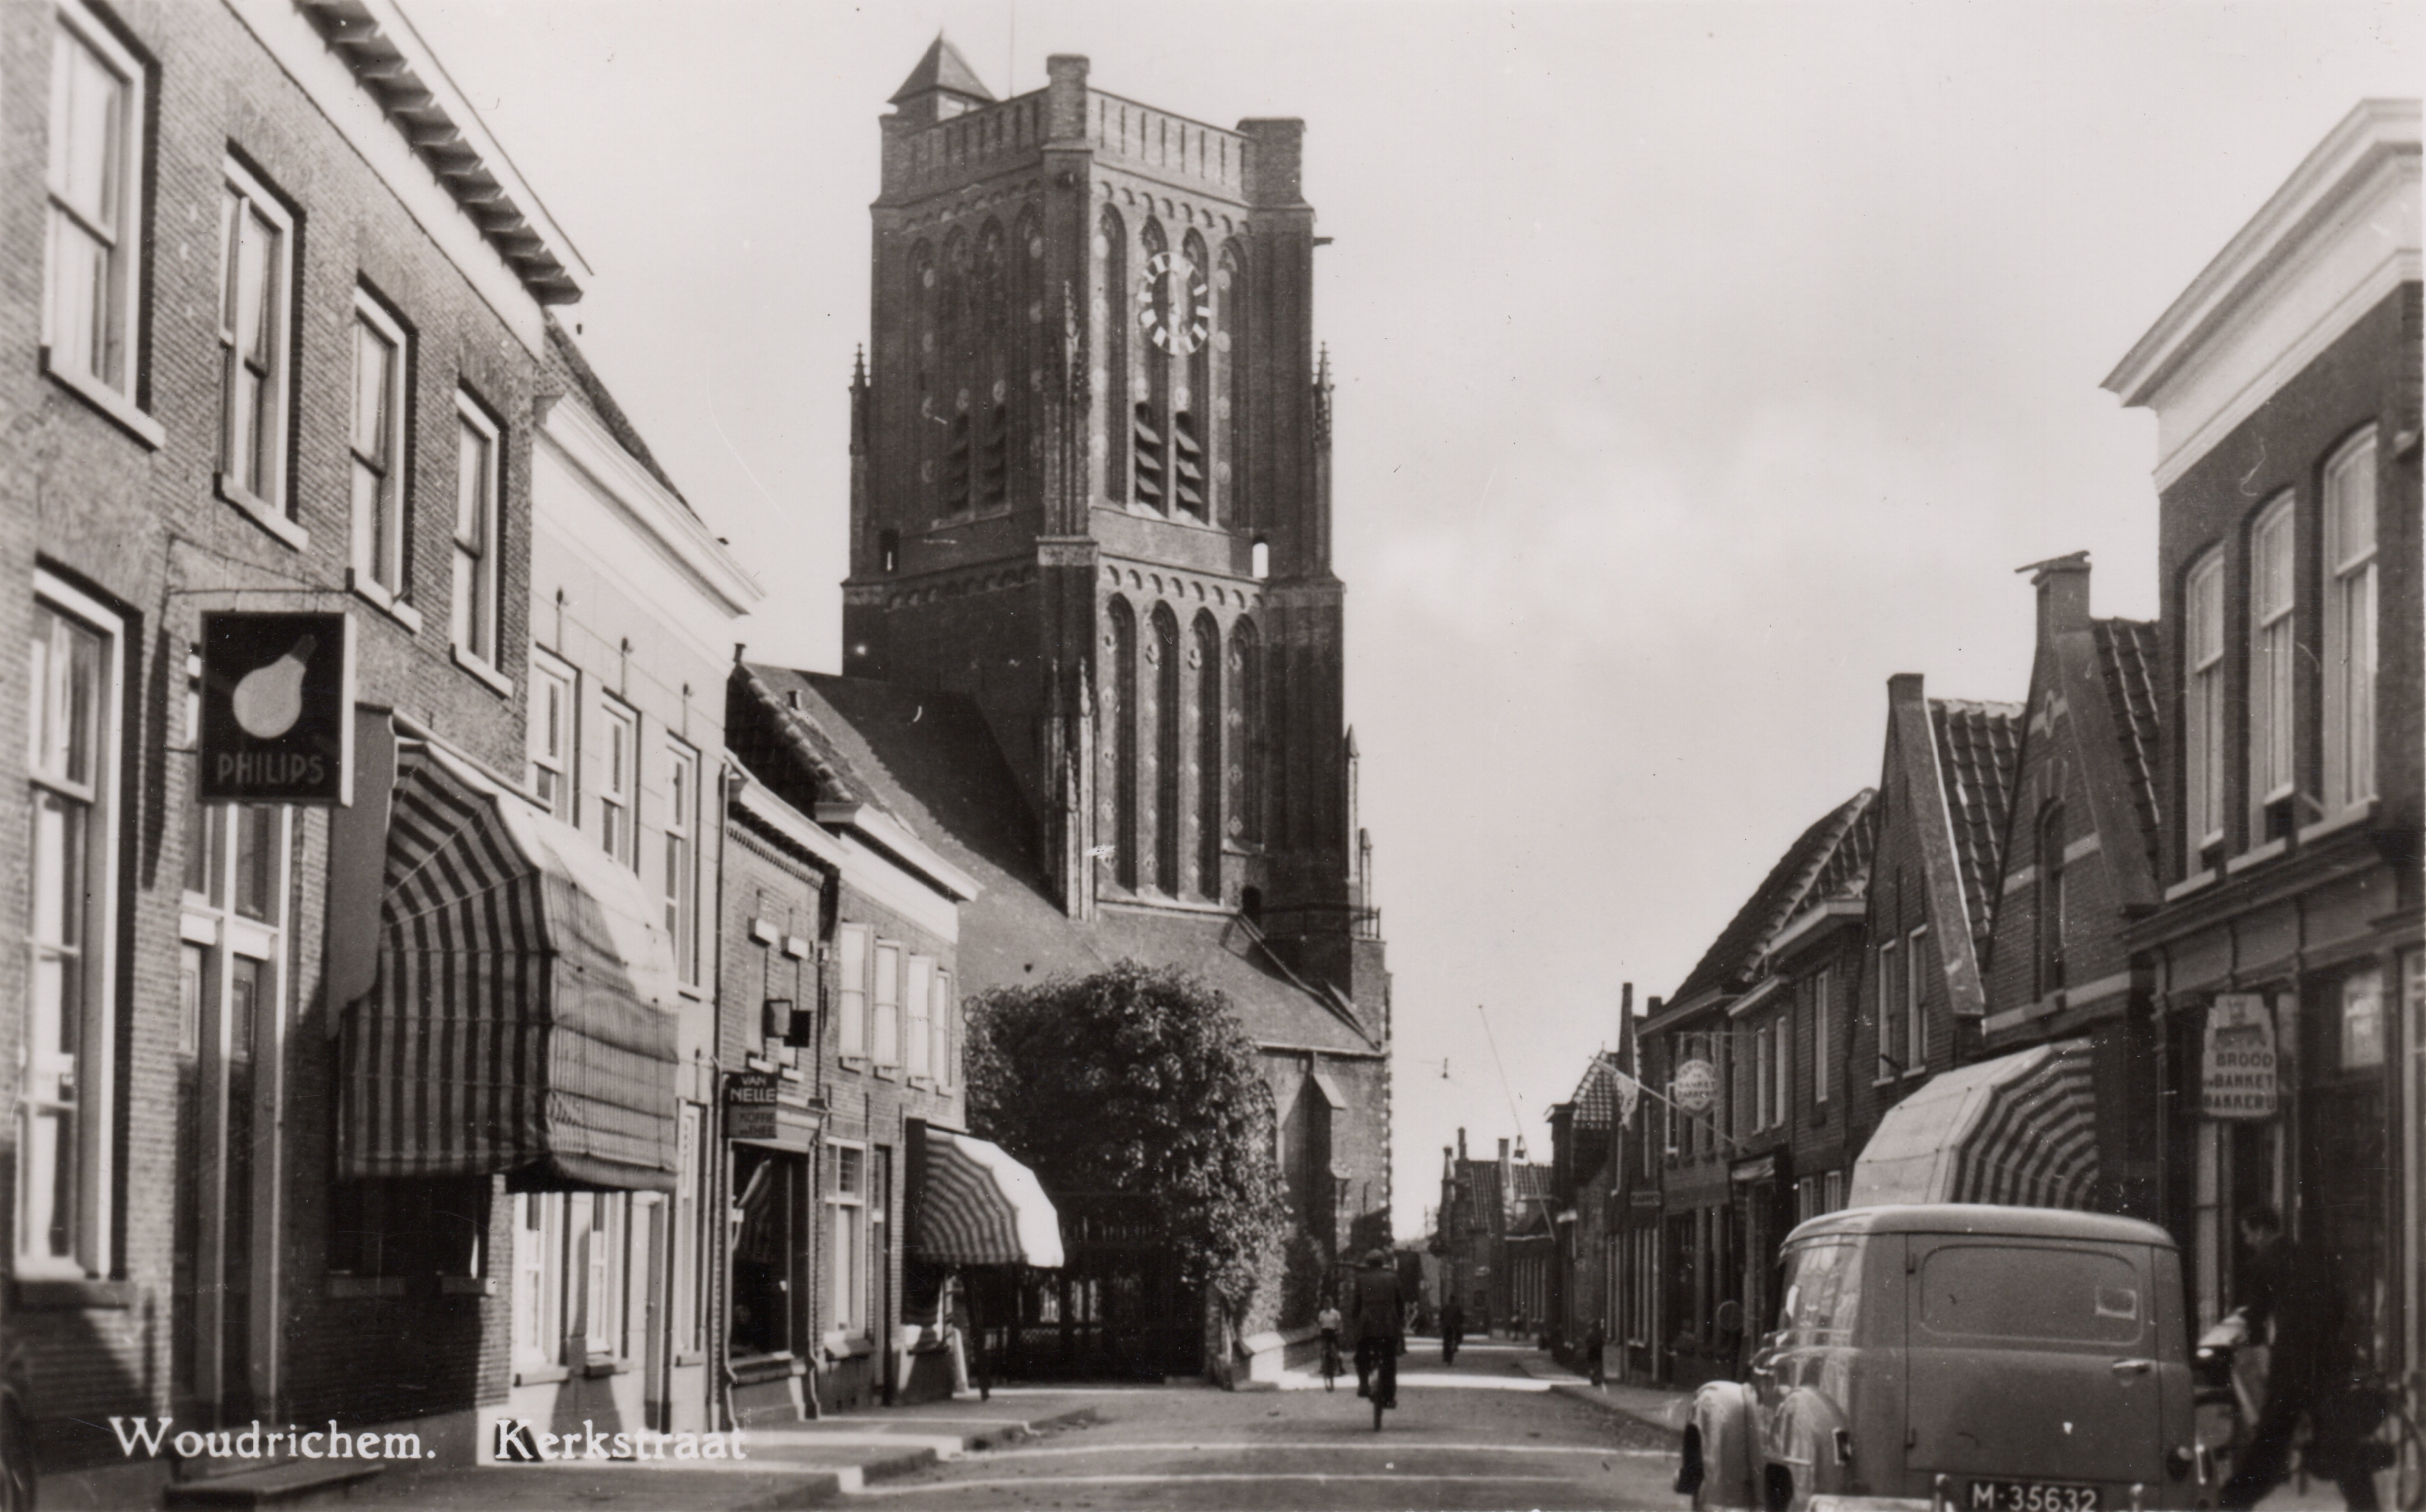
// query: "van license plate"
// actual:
[[2028, 1496]]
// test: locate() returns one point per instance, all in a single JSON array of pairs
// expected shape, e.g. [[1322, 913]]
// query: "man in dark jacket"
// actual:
[[2293, 1287], [1379, 1323]]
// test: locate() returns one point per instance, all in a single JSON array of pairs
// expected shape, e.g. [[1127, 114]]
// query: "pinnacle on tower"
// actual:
[[941, 73]]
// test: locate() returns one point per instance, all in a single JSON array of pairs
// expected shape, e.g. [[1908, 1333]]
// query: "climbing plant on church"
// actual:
[[1137, 1080]]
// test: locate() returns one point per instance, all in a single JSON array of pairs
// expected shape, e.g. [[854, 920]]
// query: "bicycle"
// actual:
[[1330, 1365]]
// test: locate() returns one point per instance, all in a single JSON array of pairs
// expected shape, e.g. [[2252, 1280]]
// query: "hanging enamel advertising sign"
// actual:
[[277, 709], [2238, 1074]]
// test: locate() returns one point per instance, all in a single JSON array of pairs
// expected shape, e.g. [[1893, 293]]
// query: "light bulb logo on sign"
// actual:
[[277, 709]]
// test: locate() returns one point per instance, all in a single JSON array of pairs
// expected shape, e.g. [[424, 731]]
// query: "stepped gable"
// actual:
[[2127, 662], [930, 760], [1979, 751], [1731, 956]]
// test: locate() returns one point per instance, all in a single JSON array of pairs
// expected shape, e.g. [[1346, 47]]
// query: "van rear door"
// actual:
[[2033, 1362]]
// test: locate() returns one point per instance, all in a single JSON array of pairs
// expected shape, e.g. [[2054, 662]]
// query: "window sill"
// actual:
[[2348, 818], [540, 1374], [2189, 885], [345, 1286], [498, 683], [114, 406], [600, 1368], [690, 1356], [466, 1286], [842, 1345], [73, 1293], [370, 590], [2257, 853], [890, 1073], [264, 513], [1918, 1070], [924, 1084], [1886, 1081], [851, 1063]]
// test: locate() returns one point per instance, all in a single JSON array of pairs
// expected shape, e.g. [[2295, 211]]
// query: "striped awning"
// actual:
[[2020, 1131], [977, 1205], [523, 1020]]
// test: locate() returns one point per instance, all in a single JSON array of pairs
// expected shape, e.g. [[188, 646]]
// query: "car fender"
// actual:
[[1801, 1438], [1721, 1448]]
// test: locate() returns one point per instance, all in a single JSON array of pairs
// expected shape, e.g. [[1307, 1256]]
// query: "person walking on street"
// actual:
[[1328, 1321], [1453, 1328], [1595, 1341], [2293, 1287], [1377, 1319]]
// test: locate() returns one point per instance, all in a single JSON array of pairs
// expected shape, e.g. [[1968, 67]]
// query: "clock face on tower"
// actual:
[[1173, 306]]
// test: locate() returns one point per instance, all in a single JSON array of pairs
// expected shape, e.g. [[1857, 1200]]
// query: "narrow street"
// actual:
[[1480, 1434]]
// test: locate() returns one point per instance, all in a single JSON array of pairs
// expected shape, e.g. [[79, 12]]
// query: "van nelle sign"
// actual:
[[278, 700], [2237, 1079]]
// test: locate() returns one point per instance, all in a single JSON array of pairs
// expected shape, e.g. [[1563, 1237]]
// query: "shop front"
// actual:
[[980, 1226], [771, 1129], [507, 1095]]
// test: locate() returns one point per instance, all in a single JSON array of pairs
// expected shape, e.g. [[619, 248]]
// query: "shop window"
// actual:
[[761, 1308], [2362, 1021], [539, 1284], [407, 1227], [847, 1221], [65, 1080]]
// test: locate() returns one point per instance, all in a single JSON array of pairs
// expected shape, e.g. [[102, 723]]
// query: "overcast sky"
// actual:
[[1699, 366]]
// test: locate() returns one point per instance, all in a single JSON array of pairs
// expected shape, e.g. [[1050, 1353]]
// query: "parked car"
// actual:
[[1960, 1358]]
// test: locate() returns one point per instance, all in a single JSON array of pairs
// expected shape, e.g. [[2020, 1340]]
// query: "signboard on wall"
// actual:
[[2238, 1075], [1696, 1086], [277, 709]]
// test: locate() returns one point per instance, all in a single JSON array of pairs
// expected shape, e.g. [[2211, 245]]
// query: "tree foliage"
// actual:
[[1137, 1080]]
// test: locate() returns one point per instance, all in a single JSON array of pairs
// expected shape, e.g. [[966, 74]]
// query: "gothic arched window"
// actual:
[[1111, 319], [1029, 349], [959, 337], [1121, 737], [1150, 396], [1192, 490], [990, 386], [924, 301], [1204, 656], [1228, 385], [1246, 730], [1166, 750]]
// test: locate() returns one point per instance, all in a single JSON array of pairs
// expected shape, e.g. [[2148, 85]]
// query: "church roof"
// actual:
[[931, 761], [945, 69]]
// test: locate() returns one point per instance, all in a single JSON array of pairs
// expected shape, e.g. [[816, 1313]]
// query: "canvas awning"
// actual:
[[974, 1205], [2020, 1131], [523, 1019]]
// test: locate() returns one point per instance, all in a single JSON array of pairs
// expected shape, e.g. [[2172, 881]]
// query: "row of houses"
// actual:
[[462, 992], [2145, 940]]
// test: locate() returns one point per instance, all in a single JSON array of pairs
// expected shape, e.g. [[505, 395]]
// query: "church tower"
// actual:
[[1091, 490]]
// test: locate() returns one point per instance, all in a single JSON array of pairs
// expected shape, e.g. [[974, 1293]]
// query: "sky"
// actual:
[[1699, 366]]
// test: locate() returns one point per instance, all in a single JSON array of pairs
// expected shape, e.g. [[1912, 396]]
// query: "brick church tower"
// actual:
[[1090, 491]]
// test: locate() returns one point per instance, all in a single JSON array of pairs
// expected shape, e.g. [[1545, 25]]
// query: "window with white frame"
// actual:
[[538, 1282], [2202, 742], [847, 1221], [2272, 596], [887, 1003], [78, 675], [1764, 1066], [1783, 1083], [1820, 1039], [689, 1235], [480, 471], [601, 1220], [2362, 1021], [93, 271], [554, 733], [381, 397], [851, 990], [619, 782], [1888, 1016], [1832, 1191], [1916, 981], [939, 1020], [2350, 625], [256, 284], [918, 996], [682, 857]]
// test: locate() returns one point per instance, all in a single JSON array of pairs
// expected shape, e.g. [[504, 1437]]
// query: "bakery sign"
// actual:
[[277, 722], [2237, 1076]]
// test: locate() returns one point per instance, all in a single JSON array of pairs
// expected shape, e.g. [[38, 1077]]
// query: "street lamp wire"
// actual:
[[1493, 1040]]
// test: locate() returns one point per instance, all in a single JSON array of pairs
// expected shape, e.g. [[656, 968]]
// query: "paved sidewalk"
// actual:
[[1659, 1407]]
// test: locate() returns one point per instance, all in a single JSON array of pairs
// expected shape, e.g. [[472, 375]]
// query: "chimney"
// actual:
[[2062, 583], [1275, 152], [1460, 1143], [1065, 98]]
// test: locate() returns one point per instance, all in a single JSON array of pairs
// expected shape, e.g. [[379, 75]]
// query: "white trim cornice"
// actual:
[[883, 830], [678, 537]]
